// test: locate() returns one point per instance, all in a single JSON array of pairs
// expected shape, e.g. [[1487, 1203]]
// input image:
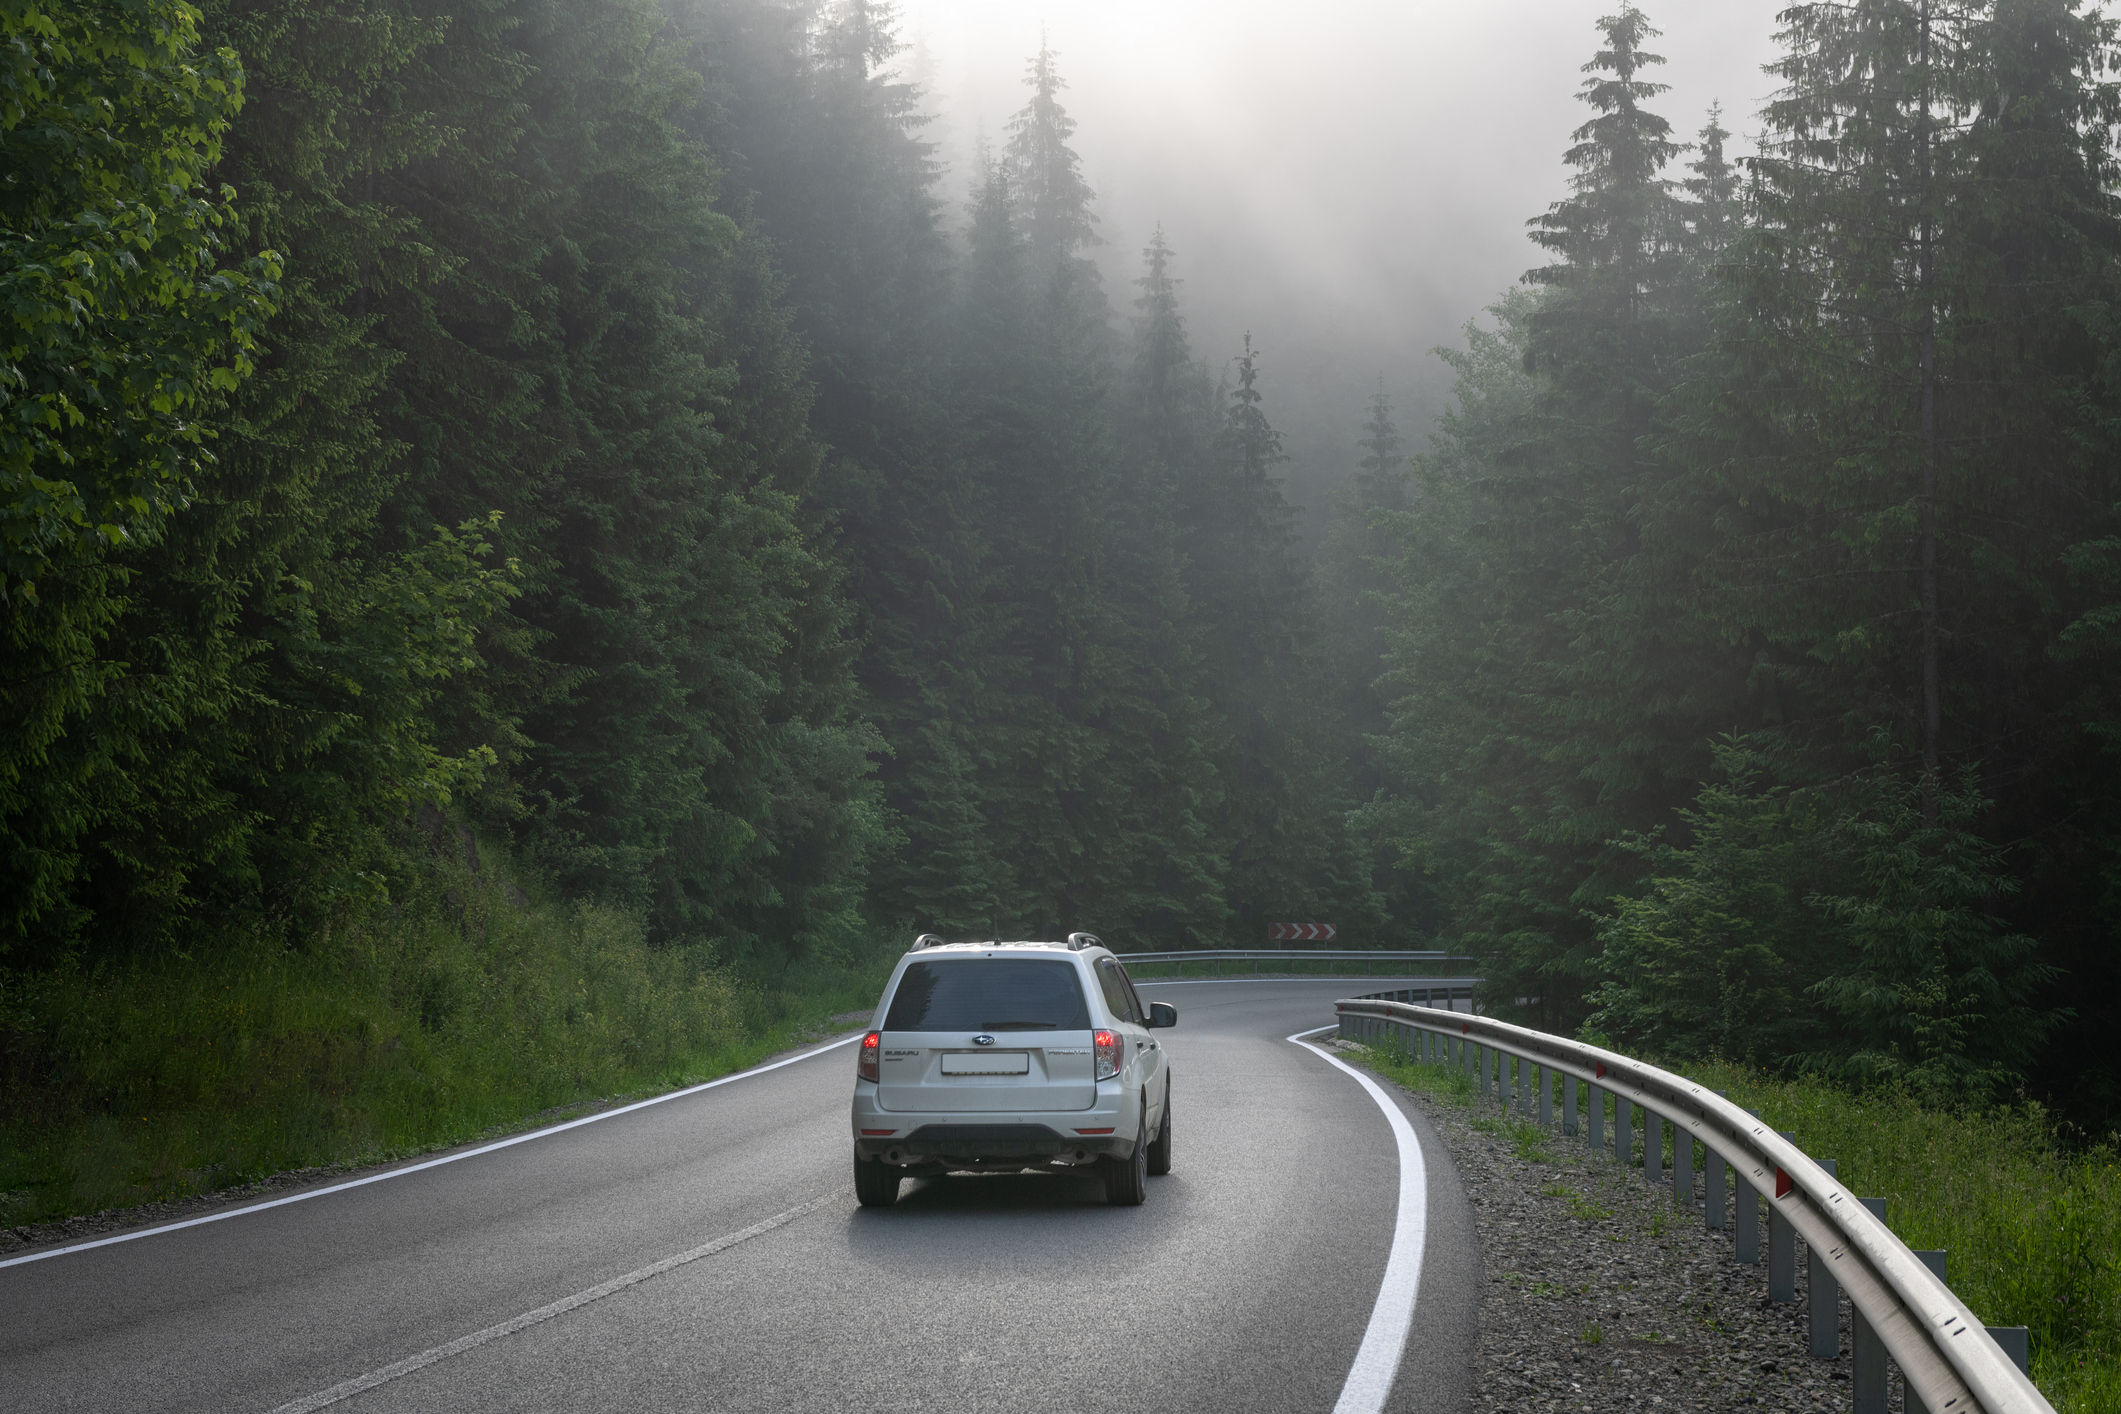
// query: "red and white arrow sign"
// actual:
[[1302, 932]]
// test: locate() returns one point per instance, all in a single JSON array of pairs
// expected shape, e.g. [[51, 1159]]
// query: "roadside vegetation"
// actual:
[[456, 1007], [2027, 1211]]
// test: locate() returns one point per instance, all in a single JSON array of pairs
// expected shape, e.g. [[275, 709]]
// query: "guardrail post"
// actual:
[[1682, 1166], [1568, 1104], [1712, 1182], [1913, 1403], [1822, 1299], [1653, 1147], [1594, 1110], [1623, 1130], [1480, 1065], [1747, 1218], [1546, 1097], [2017, 1343], [1867, 1352], [1781, 1248]]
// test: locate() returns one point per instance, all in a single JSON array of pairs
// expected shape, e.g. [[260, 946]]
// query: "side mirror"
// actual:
[[1162, 1014]]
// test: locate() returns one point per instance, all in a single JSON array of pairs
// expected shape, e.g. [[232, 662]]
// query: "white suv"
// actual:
[[1007, 1056]]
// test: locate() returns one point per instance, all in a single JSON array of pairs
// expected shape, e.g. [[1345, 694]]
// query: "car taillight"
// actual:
[[1107, 1054], [865, 1063]]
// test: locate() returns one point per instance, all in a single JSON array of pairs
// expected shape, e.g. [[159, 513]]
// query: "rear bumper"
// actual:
[[993, 1145], [1016, 1140]]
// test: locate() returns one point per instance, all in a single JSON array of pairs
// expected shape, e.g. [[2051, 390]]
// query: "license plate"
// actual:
[[987, 1063]]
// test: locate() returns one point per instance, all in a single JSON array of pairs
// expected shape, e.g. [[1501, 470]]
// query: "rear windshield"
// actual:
[[989, 994]]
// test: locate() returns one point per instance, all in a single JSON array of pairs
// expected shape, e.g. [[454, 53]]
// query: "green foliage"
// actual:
[[1931, 991], [1822, 461], [122, 319], [1714, 956], [2029, 1215], [459, 1006], [1837, 931]]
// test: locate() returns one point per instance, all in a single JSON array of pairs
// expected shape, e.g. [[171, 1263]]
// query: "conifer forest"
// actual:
[[604, 432]]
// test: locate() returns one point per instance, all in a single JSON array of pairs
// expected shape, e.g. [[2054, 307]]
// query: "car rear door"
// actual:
[[1143, 1064], [985, 1033]]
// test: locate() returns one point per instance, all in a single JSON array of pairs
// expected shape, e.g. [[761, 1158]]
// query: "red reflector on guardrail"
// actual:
[[1782, 1184], [1601, 1070]]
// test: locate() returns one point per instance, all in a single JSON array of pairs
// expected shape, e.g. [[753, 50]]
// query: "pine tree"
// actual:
[[1053, 199], [1711, 209], [1285, 798], [1896, 454], [1169, 406], [1586, 704]]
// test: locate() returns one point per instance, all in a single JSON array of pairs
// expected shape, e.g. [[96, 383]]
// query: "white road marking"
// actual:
[[1369, 1381], [561, 1307], [430, 1163]]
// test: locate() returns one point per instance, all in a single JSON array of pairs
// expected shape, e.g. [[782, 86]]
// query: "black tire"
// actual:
[[1127, 1180], [875, 1183], [1160, 1146]]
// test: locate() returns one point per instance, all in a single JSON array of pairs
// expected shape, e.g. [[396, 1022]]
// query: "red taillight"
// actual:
[[1107, 1054], [865, 1064]]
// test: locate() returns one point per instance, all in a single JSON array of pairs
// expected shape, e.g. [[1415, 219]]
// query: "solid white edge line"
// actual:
[[348, 1388], [1369, 1381], [430, 1163]]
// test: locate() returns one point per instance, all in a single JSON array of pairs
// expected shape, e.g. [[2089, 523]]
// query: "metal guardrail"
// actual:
[[1286, 955], [1950, 1362]]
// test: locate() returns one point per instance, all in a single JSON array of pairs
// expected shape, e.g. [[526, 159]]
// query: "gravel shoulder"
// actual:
[[1598, 1293]]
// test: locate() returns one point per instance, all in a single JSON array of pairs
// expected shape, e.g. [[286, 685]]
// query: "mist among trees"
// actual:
[[604, 422]]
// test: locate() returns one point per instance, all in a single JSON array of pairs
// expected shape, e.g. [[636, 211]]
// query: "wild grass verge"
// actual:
[[432, 1021], [2029, 1221], [2029, 1218]]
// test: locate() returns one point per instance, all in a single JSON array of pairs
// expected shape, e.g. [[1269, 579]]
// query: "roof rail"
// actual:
[[927, 940], [1078, 941]]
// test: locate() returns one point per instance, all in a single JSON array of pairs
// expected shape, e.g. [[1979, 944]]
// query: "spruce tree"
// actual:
[[1589, 704], [1053, 199], [1896, 455], [1285, 796]]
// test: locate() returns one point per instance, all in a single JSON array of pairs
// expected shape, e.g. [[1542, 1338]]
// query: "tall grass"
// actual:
[[2030, 1221], [2030, 1224], [426, 1023]]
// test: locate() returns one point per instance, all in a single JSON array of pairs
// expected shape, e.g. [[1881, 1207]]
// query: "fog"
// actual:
[[1348, 180]]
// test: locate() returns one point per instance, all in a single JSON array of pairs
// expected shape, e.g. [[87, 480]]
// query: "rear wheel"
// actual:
[[1160, 1146], [875, 1182], [1127, 1180]]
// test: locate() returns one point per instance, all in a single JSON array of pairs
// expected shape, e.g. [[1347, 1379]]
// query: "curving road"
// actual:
[[706, 1254]]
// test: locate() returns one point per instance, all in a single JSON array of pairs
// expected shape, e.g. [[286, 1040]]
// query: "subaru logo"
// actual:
[[983, 1040]]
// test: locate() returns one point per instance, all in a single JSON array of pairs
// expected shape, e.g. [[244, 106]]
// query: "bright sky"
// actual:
[[1348, 179]]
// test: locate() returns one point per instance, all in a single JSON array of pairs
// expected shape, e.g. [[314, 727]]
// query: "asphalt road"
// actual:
[[1244, 1283]]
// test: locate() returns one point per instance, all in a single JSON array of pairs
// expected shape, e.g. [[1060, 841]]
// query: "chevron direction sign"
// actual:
[[1302, 932]]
